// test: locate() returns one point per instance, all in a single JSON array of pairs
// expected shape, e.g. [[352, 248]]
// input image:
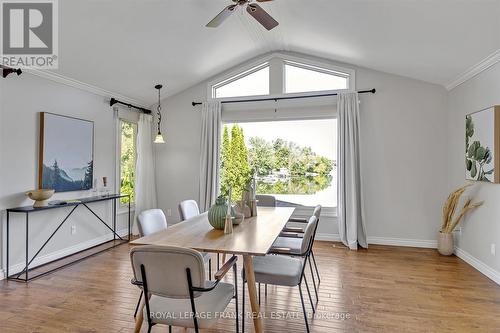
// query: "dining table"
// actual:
[[252, 237]]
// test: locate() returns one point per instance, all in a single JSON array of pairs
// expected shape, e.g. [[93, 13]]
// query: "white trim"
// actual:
[[432, 244], [425, 243], [63, 252], [475, 70], [327, 237], [478, 264], [84, 86]]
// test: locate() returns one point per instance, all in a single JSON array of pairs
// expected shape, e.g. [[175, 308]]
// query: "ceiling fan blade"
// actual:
[[264, 0], [221, 17], [262, 16]]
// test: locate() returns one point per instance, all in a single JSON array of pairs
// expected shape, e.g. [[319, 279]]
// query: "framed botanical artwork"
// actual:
[[482, 145], [66, 153]]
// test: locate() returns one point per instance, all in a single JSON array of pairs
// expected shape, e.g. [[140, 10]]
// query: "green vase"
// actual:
[[217, 213]]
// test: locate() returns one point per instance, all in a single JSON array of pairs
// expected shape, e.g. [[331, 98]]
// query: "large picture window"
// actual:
[[295, 161]]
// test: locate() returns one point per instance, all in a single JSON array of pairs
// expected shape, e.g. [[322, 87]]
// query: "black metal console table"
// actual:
[[117, 239]]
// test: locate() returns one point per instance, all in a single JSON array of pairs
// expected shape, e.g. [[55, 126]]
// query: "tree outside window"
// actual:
[[128, 132]]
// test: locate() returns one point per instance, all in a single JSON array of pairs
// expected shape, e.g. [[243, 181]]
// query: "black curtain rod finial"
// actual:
[[7, 70]]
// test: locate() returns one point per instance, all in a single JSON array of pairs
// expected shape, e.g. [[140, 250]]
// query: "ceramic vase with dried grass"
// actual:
[[450, 221]]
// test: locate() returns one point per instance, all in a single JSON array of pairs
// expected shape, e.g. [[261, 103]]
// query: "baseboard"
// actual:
[[478, 264], [63, 252], [384, 241], [328, 237], [432, 244]]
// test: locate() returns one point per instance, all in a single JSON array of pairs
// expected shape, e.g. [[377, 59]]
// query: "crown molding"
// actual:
[[83, 86], [475, 70]]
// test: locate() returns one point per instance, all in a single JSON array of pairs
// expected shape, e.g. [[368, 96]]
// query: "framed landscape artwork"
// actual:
[[66, 153], [482, 145]]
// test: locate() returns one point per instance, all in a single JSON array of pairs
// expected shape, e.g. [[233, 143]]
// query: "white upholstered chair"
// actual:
[[178, 292], [188, 209], [151, 221]]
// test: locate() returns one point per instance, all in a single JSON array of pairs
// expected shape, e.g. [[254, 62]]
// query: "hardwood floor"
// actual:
[[384, 289]]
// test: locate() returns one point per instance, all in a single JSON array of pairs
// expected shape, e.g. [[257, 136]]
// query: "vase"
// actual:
[[242, 208], [217, 213], [445, 243]]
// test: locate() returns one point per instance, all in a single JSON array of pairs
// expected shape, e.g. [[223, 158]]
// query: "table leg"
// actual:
[[252, 293], [140, 316]]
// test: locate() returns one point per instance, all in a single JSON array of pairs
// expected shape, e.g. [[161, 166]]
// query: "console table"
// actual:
[[75, 203]]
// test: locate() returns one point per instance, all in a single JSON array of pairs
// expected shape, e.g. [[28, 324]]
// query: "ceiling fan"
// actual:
[[252, 8]]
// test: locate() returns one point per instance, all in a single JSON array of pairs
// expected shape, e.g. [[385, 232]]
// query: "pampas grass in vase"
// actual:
[[452, 220]]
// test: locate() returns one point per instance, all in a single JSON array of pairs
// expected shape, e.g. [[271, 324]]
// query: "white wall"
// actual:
[[403, 142], [482, 227], [27, 96]]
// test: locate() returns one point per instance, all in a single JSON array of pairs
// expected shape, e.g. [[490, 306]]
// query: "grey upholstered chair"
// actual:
[[287, 239], [285, 270], [187, 210], [178, 292], [265, 200]]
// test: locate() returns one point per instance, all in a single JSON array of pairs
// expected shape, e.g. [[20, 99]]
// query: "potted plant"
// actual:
[[451, 221]]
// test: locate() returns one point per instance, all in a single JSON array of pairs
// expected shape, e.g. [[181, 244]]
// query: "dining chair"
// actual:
[[291, 232], [178, 294], [148, 222], [265, 200], [188, 209], [285, 270]]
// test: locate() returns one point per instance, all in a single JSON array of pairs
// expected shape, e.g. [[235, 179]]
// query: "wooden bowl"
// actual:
[[40, 196]]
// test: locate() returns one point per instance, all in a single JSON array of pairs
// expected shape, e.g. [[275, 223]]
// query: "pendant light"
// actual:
[[159, 136]]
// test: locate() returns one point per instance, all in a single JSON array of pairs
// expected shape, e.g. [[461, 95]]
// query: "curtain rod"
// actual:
[[373, 91], [114, 101]]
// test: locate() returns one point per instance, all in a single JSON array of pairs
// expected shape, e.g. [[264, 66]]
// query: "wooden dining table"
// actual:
[[253, 237]]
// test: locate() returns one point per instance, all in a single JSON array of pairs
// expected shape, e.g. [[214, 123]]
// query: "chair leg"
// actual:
[[218, 261], [235, 273], [314, 281], [210, 268], [303, 308], [265, 291], [243, 306], [316, 267], [259, 293], [138, 303], [169, 329], [149, 328], [309, 293]]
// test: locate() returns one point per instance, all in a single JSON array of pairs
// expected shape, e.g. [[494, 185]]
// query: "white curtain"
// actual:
[[350, 204], [145, 182], [209, 149]]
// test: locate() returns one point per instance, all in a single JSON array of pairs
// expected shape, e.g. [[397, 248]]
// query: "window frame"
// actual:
[[276, 62], [237, 77], [118, 155], [317, 69]]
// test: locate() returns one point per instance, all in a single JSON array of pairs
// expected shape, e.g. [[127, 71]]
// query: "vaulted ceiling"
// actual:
[[126, 46]]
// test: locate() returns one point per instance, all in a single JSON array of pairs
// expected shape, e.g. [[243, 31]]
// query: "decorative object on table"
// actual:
[[228, 221], [482, 145], [66, 151], [159, 136], [105, 189], [242, 208], [450, 221], [238, 217], [40, 196], [217, 213]]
